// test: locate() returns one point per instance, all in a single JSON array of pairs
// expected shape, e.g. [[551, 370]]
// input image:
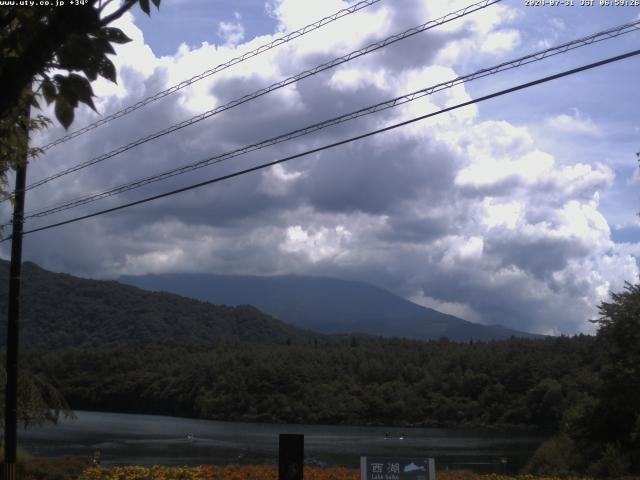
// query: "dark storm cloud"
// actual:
[[537, 256], [527, 249]]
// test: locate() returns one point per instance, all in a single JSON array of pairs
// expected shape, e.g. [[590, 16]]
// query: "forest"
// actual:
[[358, 380], [584, 391], [98, 313]]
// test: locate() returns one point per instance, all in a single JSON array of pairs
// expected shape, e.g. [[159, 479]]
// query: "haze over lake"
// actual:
[[149, 439]]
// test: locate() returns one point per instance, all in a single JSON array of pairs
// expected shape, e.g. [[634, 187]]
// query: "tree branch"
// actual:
[[104, 5], [118, 13]]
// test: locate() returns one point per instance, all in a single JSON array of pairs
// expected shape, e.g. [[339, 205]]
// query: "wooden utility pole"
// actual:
[[13, 317]]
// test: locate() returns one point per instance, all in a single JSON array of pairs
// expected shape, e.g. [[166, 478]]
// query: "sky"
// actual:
[[520, 210]]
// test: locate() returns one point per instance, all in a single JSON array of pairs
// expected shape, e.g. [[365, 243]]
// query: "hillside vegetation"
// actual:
[[60, 311], [107, 346], [359, 381]]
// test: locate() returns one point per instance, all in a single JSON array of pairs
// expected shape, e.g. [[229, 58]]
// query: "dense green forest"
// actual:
[[106, 346], [355, 381], [60, 311], [585, 390]]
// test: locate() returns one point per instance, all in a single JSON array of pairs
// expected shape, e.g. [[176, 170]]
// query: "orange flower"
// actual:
[[266, 472]]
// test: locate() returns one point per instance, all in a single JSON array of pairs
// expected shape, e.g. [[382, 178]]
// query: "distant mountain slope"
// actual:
[[325, 305], [59, 311]]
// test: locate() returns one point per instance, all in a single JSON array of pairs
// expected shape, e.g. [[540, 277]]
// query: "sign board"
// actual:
[[397, 468]]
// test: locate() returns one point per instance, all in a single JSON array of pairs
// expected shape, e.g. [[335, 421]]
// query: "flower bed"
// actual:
[[267, 472], [211, 472]]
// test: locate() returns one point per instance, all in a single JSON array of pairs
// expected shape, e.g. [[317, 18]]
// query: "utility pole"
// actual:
[[11, 391]]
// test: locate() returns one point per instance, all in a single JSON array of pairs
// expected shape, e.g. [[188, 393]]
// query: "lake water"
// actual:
[[149, 439]]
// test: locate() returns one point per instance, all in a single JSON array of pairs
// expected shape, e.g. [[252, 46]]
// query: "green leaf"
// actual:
[[65, 90], [75, 88], [84, 53], [102, 46], [114, 35], [48, 91], [144, 5], [75, 53], [91, 67], [81, 89], [64, 112], [107, 69]]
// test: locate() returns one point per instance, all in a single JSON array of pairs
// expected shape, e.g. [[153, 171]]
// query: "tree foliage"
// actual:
[[374, 382], [71, 41], [614, 422], [60, 310], [39, 401], [14, 139], [52, 54], [600, 432]]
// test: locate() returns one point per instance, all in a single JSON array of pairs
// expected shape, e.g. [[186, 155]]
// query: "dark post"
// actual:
[[11, 391], [290, 456]]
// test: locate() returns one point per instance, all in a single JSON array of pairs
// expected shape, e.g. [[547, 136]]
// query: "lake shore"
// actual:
[[147, 440]]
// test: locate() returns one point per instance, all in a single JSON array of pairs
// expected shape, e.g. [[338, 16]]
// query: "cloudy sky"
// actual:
[[521, 210]]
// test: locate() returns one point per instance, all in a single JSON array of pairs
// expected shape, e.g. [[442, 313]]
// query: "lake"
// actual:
[[150, 439]]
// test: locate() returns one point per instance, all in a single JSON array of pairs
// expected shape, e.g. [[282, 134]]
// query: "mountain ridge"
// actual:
[[326, 305], [60, 311]]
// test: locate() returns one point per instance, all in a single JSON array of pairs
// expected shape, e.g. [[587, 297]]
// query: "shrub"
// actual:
[[612, 463], [557, 456], [63, 468]]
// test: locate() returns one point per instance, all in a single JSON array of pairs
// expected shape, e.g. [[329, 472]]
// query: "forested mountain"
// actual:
[[60, 310], [353, 381], [326, 305], [145, 352]]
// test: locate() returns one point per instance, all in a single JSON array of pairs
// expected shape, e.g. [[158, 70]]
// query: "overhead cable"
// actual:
[[394, 102], [223, 66], [335, 144], [246, 98]]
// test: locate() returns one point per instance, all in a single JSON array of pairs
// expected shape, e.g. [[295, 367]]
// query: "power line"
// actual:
[[234, 103], [530, 58], [234, 61], [342, 142]]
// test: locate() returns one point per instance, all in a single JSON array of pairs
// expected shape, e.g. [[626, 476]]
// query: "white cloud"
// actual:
[[503, 41], [576, 123], [508, 214], [459, 310], [628, 249], [469, 212], [231, 32], [278, 181], [320, 244], [557, 23], [462, 250], [354, 79]]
